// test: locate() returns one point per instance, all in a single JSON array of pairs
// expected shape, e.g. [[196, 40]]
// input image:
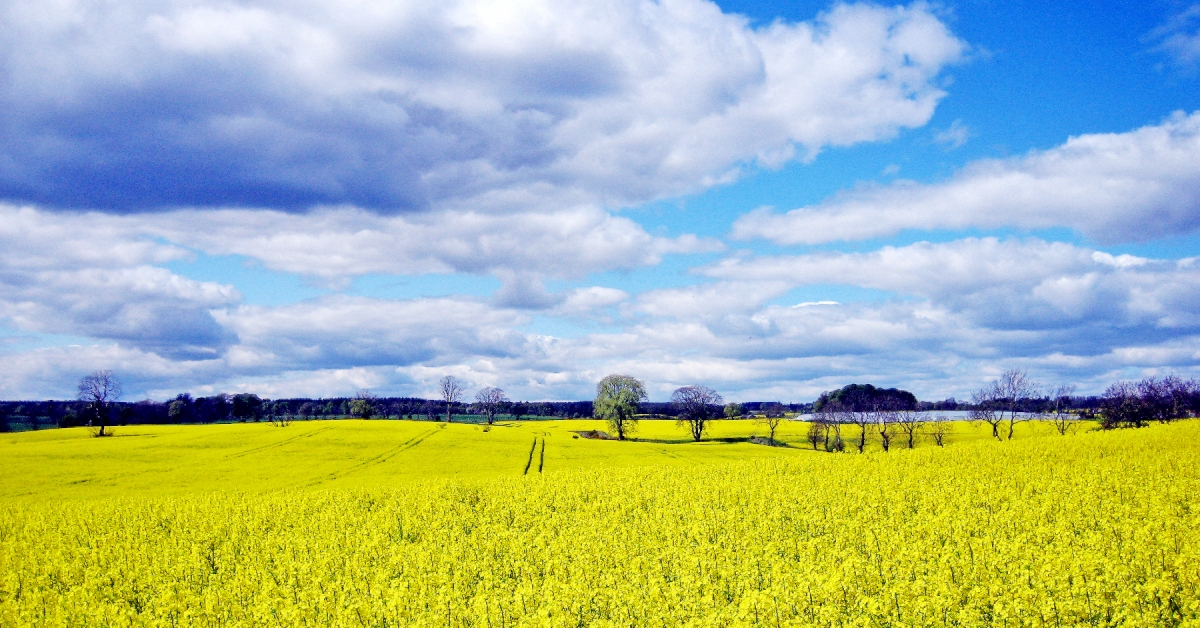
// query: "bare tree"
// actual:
[[693, 404], [984, 409], [452, 392], [772, 421], [864, 419], [1017, 393], [910, 424], [99, 391], [1059, 410], [830, 417], [885, 423], [489, 401], [281, 419], [939, 427], [1008, 397]]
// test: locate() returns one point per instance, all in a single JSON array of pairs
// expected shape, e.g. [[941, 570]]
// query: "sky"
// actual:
[[772, 199]]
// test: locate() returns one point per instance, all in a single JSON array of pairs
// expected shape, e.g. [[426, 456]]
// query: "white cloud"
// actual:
[[85, 275], [953, 136], [462, 106], [1006, 284], [1116, 187], [1179, 37]]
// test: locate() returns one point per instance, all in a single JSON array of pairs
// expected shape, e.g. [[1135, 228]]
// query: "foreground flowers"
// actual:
[[1098, 528]]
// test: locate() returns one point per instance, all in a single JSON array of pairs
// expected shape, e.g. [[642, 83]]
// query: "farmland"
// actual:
[[408, 523]]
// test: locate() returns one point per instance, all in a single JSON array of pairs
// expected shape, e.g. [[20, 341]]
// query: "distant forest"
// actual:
[[34, 415]]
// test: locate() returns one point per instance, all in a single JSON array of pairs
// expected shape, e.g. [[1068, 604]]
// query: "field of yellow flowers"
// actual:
[[1095, 529]]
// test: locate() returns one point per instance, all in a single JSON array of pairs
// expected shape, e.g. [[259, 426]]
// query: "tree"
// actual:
[[177, 411], [452, 391], [910, 424], [306, 410], [489, 401], [363, 405], [617, 399], [1009, 397], [939, 430], [246, 406], [816, 432], [983, 408], [772, 421], [857, 397], [693, 403], [518, 410], [734, 410], [1059, 410], [830, 418], [863, 418], [885, 421], [99, 391], [1122, 405], [1017, 393]]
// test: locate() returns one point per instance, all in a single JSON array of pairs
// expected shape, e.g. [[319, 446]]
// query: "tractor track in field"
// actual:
[[379, 459], [280, 443]]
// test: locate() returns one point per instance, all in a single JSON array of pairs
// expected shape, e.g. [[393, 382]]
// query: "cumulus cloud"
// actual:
[[345, 332], [89, 278], [1010, 284], [1115, 187], [464, 106], [343, 242]]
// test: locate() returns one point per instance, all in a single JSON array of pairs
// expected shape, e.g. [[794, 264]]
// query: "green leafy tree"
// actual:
[[734, 410], [363, 404], [617, 399], [247, 406]]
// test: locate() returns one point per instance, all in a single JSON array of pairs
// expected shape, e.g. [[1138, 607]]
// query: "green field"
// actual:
[[153, 460]]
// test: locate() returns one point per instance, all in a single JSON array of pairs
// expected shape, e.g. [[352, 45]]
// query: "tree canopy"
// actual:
[[865, 397], [617, 399]]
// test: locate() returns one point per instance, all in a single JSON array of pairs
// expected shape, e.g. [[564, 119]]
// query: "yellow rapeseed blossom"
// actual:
[[1095, 529]]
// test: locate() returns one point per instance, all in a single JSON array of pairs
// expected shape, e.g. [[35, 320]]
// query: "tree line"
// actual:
[[888, 413]]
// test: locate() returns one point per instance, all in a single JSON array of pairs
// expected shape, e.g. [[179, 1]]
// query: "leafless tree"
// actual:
[[693, 404], [864, 419], [1059, 410], [99, 391], [885, 423], [910, 424], [1007, 398], [830, 418], [452, 392], [984, 408], [1017, 393], [489, 401], [1165, 399], [938, 430], [772, 421]]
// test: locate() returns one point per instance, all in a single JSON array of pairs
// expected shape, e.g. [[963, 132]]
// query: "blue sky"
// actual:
[[772, 199]]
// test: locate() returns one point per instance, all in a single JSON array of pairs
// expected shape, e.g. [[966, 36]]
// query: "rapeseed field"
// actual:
[[1097, 528]]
